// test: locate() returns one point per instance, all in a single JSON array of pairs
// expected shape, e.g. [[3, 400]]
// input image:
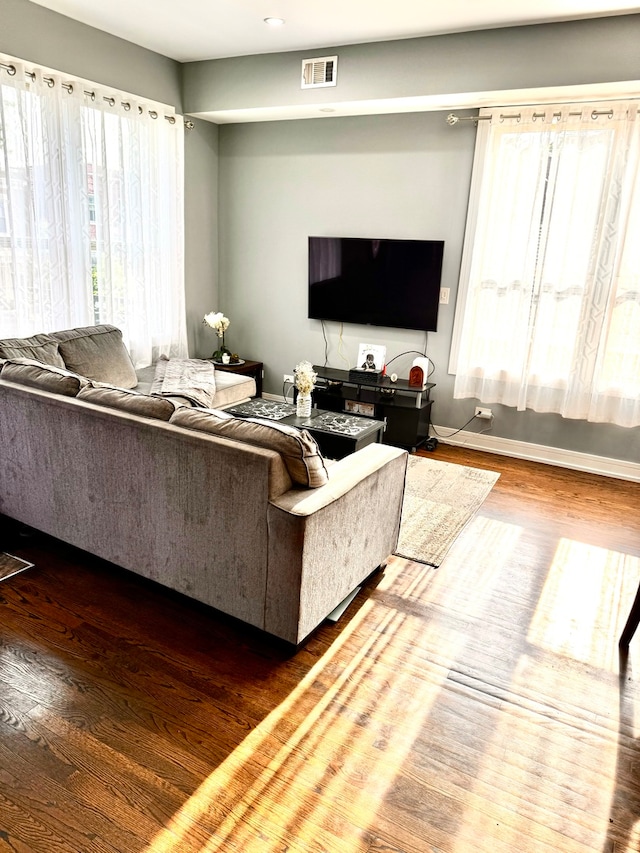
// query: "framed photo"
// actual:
[[371, 357]]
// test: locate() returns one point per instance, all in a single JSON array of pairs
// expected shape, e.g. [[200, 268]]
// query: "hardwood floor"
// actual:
[[481, 706]]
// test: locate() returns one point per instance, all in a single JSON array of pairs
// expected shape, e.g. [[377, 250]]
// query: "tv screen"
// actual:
[[375, 282]]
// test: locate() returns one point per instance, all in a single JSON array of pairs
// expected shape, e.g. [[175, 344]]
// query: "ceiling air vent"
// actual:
[[322, 71]]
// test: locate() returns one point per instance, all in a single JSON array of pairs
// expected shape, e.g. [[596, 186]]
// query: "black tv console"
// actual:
[[405, 408]]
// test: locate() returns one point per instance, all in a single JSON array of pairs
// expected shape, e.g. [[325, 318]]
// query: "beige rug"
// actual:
[[440, 498], [10, 565]]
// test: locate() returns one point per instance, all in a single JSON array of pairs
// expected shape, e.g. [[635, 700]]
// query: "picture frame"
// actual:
[[371, 358]]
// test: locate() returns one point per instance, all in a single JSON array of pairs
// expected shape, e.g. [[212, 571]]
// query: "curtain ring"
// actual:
[[126, 105], [49, 81], [153, 114], [11, 70], [596, 113], [110, 101]]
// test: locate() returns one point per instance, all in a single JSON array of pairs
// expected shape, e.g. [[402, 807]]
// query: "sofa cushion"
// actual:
[[232, 388], [41, 348], [57, 380], [297, 448], [128, 401], [97, 352]]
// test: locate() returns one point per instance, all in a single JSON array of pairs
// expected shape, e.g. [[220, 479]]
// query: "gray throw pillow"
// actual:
[[57, 380], [41, 348], [128, 401], [99, 353], [298, 449]]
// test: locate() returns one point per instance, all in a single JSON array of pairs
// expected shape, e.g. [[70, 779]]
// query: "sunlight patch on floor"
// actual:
[[585, 800], [585, 602], [550, 768], [339, 747], [321, 783]]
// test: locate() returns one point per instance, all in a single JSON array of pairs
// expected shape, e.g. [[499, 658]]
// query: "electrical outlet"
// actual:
[[444, 295], [485, 414], [288, 377]]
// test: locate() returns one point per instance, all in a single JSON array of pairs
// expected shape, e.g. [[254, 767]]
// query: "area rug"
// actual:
[[10, 565], [440, 499]]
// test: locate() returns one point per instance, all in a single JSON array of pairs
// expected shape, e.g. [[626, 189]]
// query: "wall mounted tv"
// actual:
[[392, 283]]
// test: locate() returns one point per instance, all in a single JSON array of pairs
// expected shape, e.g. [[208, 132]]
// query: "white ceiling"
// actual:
[[210, 29]]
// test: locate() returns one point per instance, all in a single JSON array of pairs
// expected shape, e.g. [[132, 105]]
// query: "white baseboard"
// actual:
[[619, 468]]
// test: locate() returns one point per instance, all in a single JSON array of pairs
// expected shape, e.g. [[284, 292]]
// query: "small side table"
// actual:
[[249, 368]]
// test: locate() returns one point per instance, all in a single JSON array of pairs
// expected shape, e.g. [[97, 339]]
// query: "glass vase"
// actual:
[[303, 405]]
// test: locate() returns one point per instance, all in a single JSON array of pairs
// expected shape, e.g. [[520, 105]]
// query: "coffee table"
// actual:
[[337, 434]]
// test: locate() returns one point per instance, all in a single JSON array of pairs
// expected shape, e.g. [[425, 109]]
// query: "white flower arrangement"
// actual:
[[217, 321], [305, 377]]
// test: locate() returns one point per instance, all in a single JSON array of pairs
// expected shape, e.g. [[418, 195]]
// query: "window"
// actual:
[[91, 199], [548, 314]]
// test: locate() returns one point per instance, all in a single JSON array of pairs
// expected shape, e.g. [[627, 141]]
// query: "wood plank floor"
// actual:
[[481, 706]]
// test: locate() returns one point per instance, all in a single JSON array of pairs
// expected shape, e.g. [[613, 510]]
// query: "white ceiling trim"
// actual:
[[428, 103]]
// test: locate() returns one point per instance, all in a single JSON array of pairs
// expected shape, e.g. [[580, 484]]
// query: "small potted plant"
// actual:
[[219, 323]]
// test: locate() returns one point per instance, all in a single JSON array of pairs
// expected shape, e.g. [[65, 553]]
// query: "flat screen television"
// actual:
[[392, 283]]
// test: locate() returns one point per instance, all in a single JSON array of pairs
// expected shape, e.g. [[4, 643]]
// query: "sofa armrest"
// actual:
[[343, 476], [324, 542]]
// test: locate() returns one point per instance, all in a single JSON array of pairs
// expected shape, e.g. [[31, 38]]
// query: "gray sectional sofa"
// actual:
[[245, 516]]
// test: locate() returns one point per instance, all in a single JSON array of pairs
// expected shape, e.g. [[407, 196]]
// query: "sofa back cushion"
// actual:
[[128, 401], [41, 348], [297, 448], [56, 380], [99, 353]]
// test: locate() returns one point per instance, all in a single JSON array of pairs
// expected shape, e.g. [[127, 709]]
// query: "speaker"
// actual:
[[419, 372], [422, 362]]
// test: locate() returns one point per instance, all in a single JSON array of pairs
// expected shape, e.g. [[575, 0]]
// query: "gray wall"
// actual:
[[376, 176], [35, 34], [402, 175], [602, 50], [201, 233]]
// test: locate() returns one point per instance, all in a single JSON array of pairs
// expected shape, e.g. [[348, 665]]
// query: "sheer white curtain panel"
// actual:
[[548, 310], [91, 214], [44, 261]]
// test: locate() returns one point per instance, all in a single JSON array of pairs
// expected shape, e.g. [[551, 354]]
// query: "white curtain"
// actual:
[[548, 311], [91, 214]]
